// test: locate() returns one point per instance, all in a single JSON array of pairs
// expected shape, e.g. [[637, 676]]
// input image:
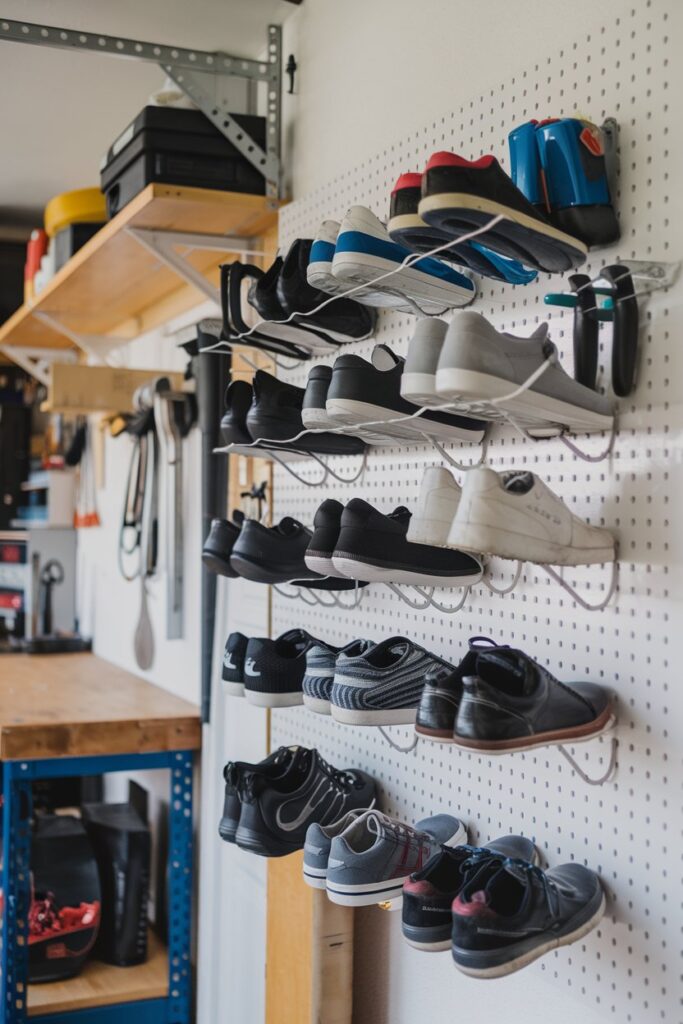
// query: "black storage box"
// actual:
[[70, 239], [65, 901], [122, 845], [176, 146]]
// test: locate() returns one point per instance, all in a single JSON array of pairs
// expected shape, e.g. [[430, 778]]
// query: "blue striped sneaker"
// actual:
[[364, 251], [319, 674], [382, 685]]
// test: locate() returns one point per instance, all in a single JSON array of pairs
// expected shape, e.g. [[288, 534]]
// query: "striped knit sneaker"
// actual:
[[382, 685], [319, 675]]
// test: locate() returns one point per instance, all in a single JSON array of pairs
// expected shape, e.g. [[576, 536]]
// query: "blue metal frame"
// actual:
[[17, 777]]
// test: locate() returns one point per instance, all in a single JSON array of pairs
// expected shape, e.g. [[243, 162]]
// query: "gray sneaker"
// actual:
[[317, 847], [369, 862], [319, 674], [418, 379], [479, 363]]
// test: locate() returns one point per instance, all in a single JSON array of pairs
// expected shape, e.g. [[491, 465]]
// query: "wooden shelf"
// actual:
[[101, 984], [114, 286]]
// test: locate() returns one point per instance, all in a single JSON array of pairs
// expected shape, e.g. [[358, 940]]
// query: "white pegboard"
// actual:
[[629, 830]]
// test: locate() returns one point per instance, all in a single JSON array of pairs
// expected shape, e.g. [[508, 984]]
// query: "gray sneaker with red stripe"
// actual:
[[372, 858]]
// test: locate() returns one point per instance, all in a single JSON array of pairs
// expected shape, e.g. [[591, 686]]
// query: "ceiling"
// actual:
[[60, 111]]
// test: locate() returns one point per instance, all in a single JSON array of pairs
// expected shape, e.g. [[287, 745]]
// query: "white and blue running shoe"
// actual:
[[319, 273], [364, 251]]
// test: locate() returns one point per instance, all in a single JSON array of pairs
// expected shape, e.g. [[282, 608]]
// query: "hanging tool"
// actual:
[[175, 412], [625, 330], [51, 575], [586, 331]]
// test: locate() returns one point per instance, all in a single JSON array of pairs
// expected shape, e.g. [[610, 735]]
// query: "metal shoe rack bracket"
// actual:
[[628, 970]]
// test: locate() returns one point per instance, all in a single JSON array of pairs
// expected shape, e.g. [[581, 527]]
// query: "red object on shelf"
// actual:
[[35, 250]]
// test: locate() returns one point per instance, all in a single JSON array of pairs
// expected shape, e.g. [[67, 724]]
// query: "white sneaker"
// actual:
[[319, 272], [365, 251], [514, 515], [436, 508]]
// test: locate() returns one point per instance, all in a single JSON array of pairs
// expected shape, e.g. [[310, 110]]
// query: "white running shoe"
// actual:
[[319, 272], [514, 515]]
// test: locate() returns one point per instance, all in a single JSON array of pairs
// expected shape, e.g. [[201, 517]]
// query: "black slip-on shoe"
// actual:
[[232, 670], [238, 399], [313, 411], [428, 893], [271, 554], [442, 692], [276, 813], [373, 546], [274, 420], [220, 542], [274, 669], [510, 702], [370, 392], [234, 774], [263, 296], [460, 195], [510, 912], [341, 320], [326, 527]]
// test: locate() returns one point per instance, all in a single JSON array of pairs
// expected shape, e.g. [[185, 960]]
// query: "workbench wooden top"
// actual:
[[78, 705]]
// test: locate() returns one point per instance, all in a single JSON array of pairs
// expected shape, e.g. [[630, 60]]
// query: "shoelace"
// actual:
[[549, 887], [345, 780], [379, 823]]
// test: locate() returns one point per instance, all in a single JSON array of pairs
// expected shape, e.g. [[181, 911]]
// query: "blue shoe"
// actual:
[[364, 251]]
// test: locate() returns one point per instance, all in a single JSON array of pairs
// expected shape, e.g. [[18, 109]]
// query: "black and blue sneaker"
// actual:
[[510, 912]]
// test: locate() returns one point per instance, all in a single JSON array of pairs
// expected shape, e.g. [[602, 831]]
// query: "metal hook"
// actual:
[[454, 462], [401, 750], [501, 591], [337, 476], [611, 767], [577, 597]]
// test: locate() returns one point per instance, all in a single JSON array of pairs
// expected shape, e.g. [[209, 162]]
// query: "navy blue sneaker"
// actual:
[[509, 913]]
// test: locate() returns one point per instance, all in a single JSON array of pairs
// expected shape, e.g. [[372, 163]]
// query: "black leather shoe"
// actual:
[[372, 546], [429, 893], [275, 417], [220, 542], [341, 320], [513, 703], [441, 695], [460, 195], [238, 398], [363, 391], [271, 554], [509, 913]]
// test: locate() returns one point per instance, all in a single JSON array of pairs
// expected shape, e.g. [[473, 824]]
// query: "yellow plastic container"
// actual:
[[82, 206]]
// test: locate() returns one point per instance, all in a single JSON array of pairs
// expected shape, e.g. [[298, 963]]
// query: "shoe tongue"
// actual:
[[384, 359], [508, 670]]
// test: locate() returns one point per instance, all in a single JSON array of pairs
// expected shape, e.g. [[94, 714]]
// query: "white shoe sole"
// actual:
[[324, 566], [375, 574], [429, 947], [490, 540], [420, 388], [368, 893], [430, 295], [383, 716], [471, 386], [318, 419], [317, 704], [501, 970], [352, 412], [233, 689], [315, 880], [273, 700], [319, 275], [297, 336]]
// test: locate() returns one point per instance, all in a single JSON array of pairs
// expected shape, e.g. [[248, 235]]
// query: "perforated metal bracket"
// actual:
[[202, 76], [37, 361]]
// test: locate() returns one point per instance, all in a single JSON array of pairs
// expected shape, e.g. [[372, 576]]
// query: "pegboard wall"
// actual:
[[629, 829]]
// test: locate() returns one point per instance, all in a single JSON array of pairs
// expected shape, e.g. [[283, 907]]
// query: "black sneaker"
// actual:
[[326, 527], [406, 227], [271, 554], [220, 542], [429, 893], [274, 669], [232, 671], [341, 320], [460, 195], [509, 913], [234, 774], [275, 417], [373, 546], [513, 703], [370, 392], [263, 296], [442, 693], [238, 398], [277, 812]]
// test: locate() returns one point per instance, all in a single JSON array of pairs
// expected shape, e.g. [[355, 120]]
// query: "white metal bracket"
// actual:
[[202, 76], [37, 361]]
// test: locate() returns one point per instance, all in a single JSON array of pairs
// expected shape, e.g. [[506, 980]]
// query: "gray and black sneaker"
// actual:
[[276, 812], [235, 774], [319, 675], [374, 856], [317, 848]]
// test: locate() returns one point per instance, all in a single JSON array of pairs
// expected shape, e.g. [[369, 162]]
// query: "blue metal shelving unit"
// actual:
[[17, 777]]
